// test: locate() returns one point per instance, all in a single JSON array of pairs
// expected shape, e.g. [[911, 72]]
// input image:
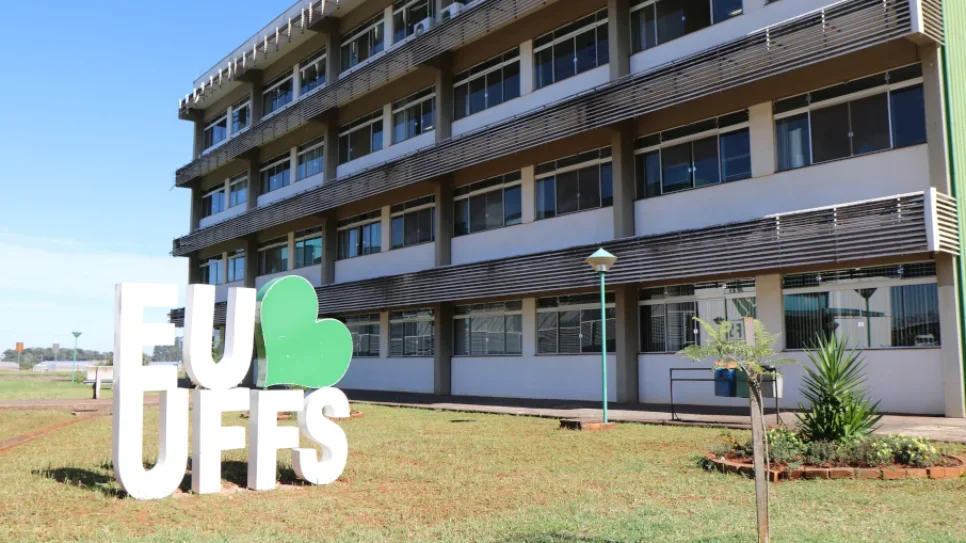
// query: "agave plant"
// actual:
[[840, 408]]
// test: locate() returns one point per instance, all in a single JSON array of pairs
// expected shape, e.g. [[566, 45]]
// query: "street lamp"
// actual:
[[73, 374], [602, 262]]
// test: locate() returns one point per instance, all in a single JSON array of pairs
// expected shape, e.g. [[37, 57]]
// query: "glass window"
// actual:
[[241, 116], [277, 174], [211, 271], [812, 128], [364, 41], [668, 162], [487, 84], [278, 95], [407, 14], [236, 266], [365, 332], [360, 137], [414, 115], [488, 204], [413, 222], [238, 191], [572, 325], [654, 22], [312, 71], [488, 329], [872, 308], [574, 184], [667, 313], [571, 49], [411, 333], [216, 132], [360, 235], [273, 256], [311, 159], [213, 202], [308, 248]]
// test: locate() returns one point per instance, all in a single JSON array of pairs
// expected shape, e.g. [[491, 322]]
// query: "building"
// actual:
[[440, 171]]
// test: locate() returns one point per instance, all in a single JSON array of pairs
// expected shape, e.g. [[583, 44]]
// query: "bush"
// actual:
[[785, 446], [840, 411], [912, 451], [873, 452]]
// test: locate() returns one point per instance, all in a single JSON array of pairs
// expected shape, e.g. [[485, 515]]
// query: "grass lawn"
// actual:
[[36, 389], [433, 476]]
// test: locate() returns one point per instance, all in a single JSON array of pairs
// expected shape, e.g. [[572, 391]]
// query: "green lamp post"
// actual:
[[602, 262], [73, 373]]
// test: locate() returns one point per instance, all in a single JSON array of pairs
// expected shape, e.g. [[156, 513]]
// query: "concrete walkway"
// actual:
[[935, 428]]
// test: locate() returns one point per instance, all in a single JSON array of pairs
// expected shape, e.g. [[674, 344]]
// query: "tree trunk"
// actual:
[[761, 475]]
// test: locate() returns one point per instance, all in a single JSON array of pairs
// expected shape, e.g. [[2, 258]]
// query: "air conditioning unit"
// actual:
[[451, 11], [423, 26]]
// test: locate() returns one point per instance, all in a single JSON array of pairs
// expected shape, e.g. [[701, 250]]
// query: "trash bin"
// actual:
[[724, 382], [772, 384]]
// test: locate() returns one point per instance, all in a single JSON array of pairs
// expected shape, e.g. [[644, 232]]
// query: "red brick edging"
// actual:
[[888, 473]]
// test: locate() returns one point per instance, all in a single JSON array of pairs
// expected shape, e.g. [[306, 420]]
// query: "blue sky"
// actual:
[[89, 143]]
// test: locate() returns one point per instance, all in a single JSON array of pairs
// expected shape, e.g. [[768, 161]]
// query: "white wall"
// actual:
[[756, 16], [388, 152], [562, 89], [394, 374], [292, 188], [221, 291], [546, 235], [312, 273], [905, 380], [223, 216], [872, 176], [574, 377], [405, 260]]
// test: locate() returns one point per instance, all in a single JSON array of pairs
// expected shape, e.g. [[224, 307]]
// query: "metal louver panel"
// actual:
[[947, 224], [834, 31], [452, 34], [882, 228], [932, 20]]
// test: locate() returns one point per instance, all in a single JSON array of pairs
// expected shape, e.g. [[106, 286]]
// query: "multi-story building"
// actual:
[[441, 170]]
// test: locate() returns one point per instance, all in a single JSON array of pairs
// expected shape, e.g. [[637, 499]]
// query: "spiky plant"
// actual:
[[840, 409]]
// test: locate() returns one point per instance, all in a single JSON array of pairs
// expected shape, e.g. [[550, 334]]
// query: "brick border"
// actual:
[[887, 473]]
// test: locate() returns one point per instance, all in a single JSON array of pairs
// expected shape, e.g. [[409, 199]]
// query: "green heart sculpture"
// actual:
[[294, 348]]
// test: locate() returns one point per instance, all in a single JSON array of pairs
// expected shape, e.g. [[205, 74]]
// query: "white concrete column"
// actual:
[[529, 327], [935, 106], [296, 82], [224, 268], [952, 352], [526, 67], [293, 156], [384, 334], [771, 305], [390, 31], [387, 125], [528, 196], [762, 136], [228, 121], [386, 228], [291, 251]]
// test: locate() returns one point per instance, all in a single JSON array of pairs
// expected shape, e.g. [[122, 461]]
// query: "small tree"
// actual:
[[749, 354]]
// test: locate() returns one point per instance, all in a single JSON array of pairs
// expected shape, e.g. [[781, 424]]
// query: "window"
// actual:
[[654, 22], [884, 111], [363, 42], [360, 235], [278, 94], [576, 183], [487, 84], [238, 190], [364, 330], [406, 14], [213, 201], [312, 71], [236, 265], [872, 308], [241, 116], [493, 203], [667, 313], [311, 159], [216, 132], [411, 333], [571, 324], [277, 173], [699, 154], [414, 115], [413, 222], [488, 329], [571, 50], [211, 271], [273, 256], [308, 247], [360, 137]]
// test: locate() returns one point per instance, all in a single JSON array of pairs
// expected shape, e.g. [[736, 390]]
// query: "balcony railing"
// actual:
[[474, 22], [893, 227], [828, 33]]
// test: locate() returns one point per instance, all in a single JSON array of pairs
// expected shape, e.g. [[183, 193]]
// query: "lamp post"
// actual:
[[602, 262], [73, 373]]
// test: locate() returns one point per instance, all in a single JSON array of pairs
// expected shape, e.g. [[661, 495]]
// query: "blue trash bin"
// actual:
[[725, 383]]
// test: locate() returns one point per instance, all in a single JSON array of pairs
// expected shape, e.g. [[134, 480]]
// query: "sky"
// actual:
[[89, 143]]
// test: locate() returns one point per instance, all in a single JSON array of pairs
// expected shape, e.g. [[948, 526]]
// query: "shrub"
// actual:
[[912, 451], [820, 453], [874, 452], [785, 446], [840, 411]]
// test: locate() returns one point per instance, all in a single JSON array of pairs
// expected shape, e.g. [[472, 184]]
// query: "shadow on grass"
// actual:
[[458, 421], [83, 478]]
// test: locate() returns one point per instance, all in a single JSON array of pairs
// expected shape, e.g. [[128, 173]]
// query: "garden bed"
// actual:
[[954, 468]]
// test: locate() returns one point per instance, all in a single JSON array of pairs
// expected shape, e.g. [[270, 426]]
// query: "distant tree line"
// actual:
[[35, 355]]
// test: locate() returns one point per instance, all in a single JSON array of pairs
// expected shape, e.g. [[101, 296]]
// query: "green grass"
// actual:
[[36, 389], [15, 423], [434, 476]]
